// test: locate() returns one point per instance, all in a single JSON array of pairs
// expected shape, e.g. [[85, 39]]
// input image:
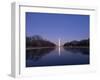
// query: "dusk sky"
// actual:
[[67, 27]]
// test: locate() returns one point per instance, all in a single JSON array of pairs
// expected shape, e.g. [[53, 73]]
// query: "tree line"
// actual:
[[38, 41], [81, 43]]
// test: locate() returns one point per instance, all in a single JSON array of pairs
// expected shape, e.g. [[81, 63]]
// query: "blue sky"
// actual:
[[67, 27]]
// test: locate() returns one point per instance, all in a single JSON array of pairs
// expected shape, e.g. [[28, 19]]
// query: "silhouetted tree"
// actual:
[[81, 43], [38, 41]]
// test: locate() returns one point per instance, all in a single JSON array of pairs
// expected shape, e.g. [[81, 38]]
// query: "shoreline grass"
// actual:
[[54, 47]]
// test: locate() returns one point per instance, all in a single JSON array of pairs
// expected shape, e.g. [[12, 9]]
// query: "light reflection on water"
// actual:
[[56, 56]]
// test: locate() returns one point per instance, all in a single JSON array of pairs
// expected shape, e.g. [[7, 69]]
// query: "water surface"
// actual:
[[56, 56]]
